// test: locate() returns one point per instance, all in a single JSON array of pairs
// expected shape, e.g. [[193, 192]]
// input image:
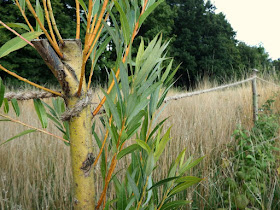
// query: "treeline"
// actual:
[[201, 40]]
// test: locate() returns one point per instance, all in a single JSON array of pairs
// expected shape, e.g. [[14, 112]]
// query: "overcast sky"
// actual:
[[255, 21]]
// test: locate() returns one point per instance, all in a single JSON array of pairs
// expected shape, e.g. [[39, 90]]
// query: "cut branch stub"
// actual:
[[67, 69]]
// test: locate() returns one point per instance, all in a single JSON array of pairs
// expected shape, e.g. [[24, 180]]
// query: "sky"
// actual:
[[255, 21]]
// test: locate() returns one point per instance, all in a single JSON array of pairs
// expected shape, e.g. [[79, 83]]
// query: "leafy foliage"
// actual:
[[250, 176]]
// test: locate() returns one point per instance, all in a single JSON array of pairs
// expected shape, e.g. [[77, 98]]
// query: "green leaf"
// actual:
[[188, 179], [17, 25], [124, 23], [174, 204], [189, 166], [127, 150], [15, 106], [162, 144], [17, 43], [150, 164], [40, 14], [121, 204], [133, 186], [144, 145], [149, 11], [84, 6], [19, 135], [161, 182], [6, 106], [124, 81], [22, 4], [2, 92], [41, 112], [113, 110], [183, 186]]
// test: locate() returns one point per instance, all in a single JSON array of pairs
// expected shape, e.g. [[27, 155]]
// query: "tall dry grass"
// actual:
[[35, 169]]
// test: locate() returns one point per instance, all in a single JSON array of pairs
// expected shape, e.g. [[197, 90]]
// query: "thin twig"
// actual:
[[88, 44], [54, 23], [91, 70], [24, 16], [16, 33], [48, 21], [56, 48], [78, 19], [29, 82], [30, 126], [112, 168], [134, 33]]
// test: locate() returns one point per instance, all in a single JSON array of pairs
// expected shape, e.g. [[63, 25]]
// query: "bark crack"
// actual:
[[87, 164]]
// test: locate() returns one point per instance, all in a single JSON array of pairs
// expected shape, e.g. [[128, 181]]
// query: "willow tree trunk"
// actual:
[[67, 70]]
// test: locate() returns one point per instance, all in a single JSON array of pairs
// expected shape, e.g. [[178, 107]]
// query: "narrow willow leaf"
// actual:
[[164, 181], [174, 204], [156, 128], [129, 203], [144, 129], [15, 106], [17, 43], [22, 4], [101, 49], [139, 56], [136, 119], [140, 106], [181, 187], [19, 135], [121, 204], [144, 145], [113, 34], [149, 11], [162, 144], [40, 14], [127, 150], [6, 106], [150, 164], [133, 185], [150, 193], [166, 73], [113, 110], [124, 81], [189, 166], [41, 112], [84, 6], [186, 179], [55, 121], [2, 92], [17, 25], [95, 7], [124, 23]]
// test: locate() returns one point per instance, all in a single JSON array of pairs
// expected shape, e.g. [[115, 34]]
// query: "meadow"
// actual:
[[35, 170]]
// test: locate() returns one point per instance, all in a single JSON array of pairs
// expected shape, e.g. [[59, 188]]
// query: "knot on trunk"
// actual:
[[79, 106]]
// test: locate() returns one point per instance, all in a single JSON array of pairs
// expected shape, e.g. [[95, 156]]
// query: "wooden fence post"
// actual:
[[255, 96]]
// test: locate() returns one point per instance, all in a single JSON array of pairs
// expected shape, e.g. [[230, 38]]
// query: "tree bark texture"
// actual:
[[67, 71]]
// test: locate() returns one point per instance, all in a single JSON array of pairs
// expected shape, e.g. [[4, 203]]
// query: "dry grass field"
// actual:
[[35, 169]]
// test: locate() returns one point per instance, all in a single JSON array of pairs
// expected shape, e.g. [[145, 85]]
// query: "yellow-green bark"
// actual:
[[80, 129], [68, 71]]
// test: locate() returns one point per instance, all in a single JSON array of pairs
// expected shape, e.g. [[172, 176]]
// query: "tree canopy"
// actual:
[[201, 40]]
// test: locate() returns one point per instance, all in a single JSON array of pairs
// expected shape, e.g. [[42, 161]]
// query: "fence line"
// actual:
[[271, 83], [185, 95], [37, 94]]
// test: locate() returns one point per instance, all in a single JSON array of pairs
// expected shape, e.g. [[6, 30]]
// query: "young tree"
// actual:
[[131, 102]]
